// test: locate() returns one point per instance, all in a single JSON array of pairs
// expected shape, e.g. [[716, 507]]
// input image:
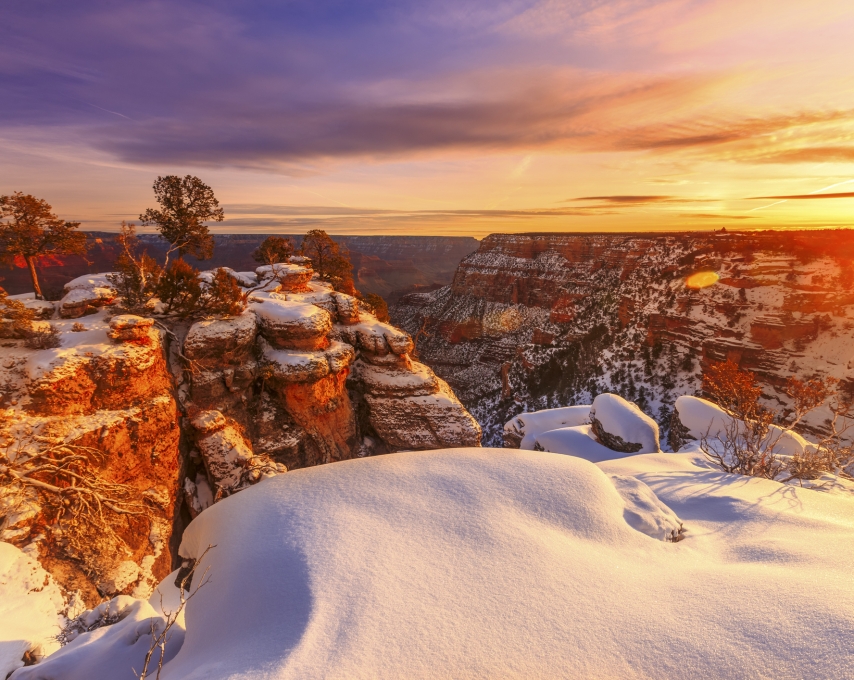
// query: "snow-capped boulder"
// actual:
[[130, 328], [576, 441], [427, 421], [293, 325], [89, 282], [375, 337], [297, 366], [212, 339], [285, 276], [347, 308], [82, 301], [522, 430], [244, 279], [418, 379], [622, 426]]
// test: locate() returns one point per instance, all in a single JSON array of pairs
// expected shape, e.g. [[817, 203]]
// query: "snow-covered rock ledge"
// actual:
[[497, 562]]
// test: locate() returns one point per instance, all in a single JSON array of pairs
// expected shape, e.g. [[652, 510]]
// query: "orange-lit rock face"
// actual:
[[323, 409], [113, 398]]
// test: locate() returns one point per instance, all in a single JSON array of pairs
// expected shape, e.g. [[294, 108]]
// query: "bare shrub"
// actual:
[[161, 629], [78, 327], [136, 273], [749, 442], [44, 336]]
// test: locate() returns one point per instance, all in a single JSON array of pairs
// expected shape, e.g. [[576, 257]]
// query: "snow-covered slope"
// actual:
[[479, 563]]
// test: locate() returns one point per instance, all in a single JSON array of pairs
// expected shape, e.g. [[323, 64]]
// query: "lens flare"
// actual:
[[702, 279]]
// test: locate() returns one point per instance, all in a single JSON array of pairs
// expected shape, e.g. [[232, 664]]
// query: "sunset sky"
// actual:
[[436, 116]]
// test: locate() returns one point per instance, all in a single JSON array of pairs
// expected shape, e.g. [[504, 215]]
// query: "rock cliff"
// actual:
[[535, 321], [168, 416]]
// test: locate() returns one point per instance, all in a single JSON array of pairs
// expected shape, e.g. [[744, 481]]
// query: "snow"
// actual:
[[576, 441], [89, 282], [705, 419], [110, 652], [298, 318], [625, 420], [77, 296], [30, 606], [505, 563], [529, 425]]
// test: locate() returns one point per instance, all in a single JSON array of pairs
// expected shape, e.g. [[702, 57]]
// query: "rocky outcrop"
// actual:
[[303, 376], [105, 394], [320, 380]]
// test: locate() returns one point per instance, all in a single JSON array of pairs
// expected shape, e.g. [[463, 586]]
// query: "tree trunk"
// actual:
[[31, 263]]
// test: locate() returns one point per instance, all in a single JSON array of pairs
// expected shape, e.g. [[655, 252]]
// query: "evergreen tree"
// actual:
[[30, 230], [186, 203]]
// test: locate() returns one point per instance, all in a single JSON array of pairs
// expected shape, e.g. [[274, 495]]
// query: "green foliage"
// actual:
[[223, 296], [30, 230], [273, 250], [376, 305], [180, 288], [329, 260], [136, 273], [186, 203]]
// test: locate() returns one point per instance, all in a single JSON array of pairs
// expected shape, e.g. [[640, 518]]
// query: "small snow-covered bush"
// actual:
[[78, 327]]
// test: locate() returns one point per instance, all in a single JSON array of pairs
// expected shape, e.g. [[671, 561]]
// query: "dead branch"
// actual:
[[160, 637]]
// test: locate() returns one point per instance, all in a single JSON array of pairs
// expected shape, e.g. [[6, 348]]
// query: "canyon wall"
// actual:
[[541, 320], [119, 429]]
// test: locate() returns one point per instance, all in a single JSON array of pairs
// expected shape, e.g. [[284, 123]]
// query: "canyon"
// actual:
[[534, 321], [149, 420]]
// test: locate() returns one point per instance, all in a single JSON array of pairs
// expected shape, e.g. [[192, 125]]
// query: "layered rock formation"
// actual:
[[173, 415], [543, 320], [105, 394]]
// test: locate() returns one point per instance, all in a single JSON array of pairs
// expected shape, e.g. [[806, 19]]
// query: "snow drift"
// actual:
[[509, 563]]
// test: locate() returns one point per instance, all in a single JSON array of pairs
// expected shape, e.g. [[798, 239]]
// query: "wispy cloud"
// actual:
[[802, 197]]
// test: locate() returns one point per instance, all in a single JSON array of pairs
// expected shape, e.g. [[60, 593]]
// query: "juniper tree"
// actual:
[[328, 260], [273, 250], [186, 203], [30, 230]]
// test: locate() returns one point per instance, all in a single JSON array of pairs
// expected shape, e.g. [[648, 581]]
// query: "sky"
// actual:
[[436, 116]]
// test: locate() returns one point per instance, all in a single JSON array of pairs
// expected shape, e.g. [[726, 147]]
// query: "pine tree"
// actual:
[[186, 203], [273, 250], [31, 230], [328, 260]]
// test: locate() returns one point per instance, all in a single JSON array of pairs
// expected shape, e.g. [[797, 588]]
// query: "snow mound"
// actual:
[[576, 441], [702, 418], [505, 563], [89, 282], [522, 431], [111, 652], [624, 427], [30, 603]]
